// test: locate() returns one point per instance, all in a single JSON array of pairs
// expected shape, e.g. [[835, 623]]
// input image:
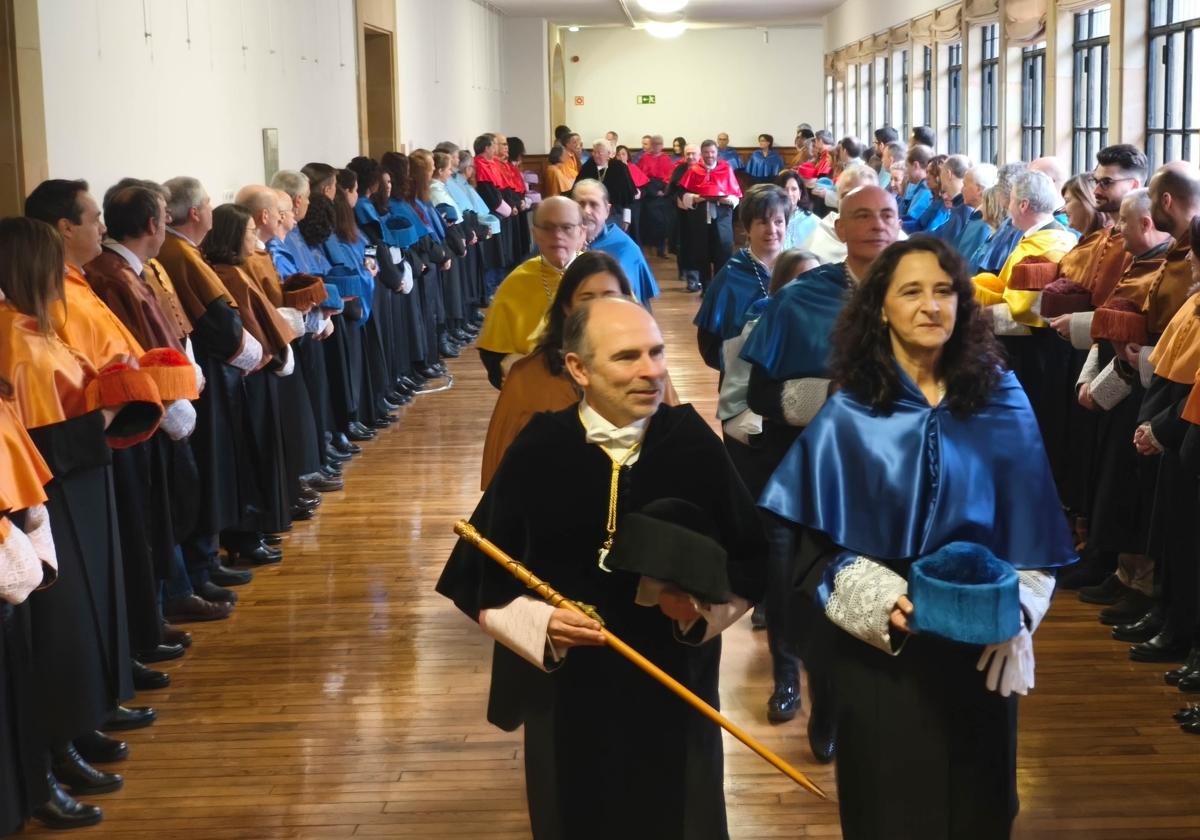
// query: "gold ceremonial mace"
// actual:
[[469, 533]]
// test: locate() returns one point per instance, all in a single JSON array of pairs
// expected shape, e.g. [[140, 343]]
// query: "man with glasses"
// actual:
[[522, 299]]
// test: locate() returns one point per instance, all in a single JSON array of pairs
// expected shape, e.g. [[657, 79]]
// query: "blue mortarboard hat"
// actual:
[[399, 231], [964, 593]]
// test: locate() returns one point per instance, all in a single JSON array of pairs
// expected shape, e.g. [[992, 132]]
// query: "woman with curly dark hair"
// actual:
[[925, 515]]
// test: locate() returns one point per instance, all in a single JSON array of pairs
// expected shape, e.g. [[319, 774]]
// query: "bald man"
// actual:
[[525, 294], [591, 722], [789, 382]]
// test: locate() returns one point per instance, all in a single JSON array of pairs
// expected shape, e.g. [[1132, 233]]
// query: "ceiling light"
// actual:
[[662, 7], [663, 29], [572, 28]]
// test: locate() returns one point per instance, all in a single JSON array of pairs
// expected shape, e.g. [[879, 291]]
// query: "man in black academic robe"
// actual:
[[609, 752], [614, 174]]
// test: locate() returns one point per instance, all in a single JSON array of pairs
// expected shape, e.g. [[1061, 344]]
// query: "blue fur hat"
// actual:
[[964, 593]]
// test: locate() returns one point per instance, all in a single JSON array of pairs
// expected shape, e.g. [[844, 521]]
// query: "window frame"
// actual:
[[927, 89], [905, 94], [989, 86], [1090, 120], [954, 122], [1166, 100], [1033, 101]]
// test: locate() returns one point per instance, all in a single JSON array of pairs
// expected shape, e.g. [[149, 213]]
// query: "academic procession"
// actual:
[[648, 420]]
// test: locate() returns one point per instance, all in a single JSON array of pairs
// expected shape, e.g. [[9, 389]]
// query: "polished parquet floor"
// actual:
[[346, 699]]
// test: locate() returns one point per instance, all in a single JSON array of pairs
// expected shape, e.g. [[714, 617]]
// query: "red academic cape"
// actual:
[[710, 183]]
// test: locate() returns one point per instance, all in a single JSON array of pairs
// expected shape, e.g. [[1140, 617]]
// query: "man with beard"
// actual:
[[592, 198], [708, 192]]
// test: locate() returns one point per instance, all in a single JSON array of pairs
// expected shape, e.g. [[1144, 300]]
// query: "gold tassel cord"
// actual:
[[545, 591]]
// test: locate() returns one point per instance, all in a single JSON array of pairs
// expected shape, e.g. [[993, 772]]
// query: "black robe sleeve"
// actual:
[[491, 363], [219, 330], [765, 396], [710, 348], [1163, 409]]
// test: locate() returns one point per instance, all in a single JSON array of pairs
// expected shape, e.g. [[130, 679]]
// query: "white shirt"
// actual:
[[126, 254]]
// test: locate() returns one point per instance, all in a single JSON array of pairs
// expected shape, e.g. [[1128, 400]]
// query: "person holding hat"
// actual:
[[633, 507], [924, 514]]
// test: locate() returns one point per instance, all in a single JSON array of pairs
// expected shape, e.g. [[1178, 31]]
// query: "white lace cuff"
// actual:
[[289, 362], [1036, 587], [1003, 323], [1091, 367], [20, 567], [1081, 330], [864, 595], [1145, 369], [179, 419], [801, 399], [521, 625], [249, 355], [1108, 388]]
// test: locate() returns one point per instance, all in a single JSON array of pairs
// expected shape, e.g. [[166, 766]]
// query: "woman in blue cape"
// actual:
[[927, 445], [764, 162]]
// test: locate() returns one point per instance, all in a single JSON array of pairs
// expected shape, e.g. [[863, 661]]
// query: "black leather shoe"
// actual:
[[130, 717], [332, 470], [195, 608], [758, 618], [61, 810], [1187, 713], [461, 336], [1142, 630], [98, 748], [1088, 572], [1192, 663], [162, 653], [784, 702], [147, 679], [1130, 608], [1190, 681], [1192, 727], [79, 777], [257, 554], [447, 349], [431, 373], [222, 575], [409, 384], [344, 445], [336, 456], [359, 426], [1165, 647], [210, 591], [175, 636], [272, 539], [821, 734], [693, 285], [326, 485], [383, 422], [308, 495], [1108, 592], [364, 435], [306, 504]]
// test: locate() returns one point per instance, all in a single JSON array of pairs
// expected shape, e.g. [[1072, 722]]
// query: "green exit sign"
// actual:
[[646, 99]]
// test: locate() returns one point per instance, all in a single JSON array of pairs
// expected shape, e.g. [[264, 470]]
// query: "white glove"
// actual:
[[406, 282], [294, 319], [249, 356], [179, 419], [191, 354], [1011, 665]]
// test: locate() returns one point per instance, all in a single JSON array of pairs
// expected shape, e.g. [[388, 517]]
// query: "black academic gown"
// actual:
[[609, 752], [616, 180]]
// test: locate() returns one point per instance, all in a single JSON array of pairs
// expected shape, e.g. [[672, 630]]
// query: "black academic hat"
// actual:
[[671, 540]]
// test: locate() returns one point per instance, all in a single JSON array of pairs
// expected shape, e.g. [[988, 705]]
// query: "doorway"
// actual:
[[380, 87]]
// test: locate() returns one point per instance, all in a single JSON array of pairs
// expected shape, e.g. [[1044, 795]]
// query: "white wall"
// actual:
[[856, 19], [118, 103], [451, 73], [705, 81], [525, 109]]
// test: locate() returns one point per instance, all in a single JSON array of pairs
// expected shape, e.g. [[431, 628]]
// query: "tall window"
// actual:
[[1033, 101], [989, 130], [839, 106], [1172, 91], [1090, 132], [830, 103], [927, 91], [885, 95], [866, 98], [851, 126], [954, 100], [904, 94]]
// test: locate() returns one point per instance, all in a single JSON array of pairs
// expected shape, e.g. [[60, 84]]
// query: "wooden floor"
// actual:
[[346, 699]]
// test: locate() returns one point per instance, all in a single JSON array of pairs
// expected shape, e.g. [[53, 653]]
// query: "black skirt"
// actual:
[[22, 752], [924, 750]]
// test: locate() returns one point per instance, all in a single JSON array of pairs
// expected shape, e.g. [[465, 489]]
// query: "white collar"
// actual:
[[126, 254], [616, 441], [182, 236], [1034, 230]]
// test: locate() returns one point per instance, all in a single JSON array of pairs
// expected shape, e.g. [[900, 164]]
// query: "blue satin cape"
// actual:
[[916, 200], [729, 295], [764, 166], [731, 157], [791, 339], [903, 485], [617, 244]]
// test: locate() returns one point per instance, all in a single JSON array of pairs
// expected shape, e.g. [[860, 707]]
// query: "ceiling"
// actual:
[[698, 13]]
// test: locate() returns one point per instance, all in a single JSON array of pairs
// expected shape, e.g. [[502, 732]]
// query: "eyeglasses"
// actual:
[[566, 229], [1107, 183]]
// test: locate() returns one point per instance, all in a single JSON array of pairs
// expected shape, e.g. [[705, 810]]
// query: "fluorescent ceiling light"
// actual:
[[663, 29], [662, 7], [572, 28]]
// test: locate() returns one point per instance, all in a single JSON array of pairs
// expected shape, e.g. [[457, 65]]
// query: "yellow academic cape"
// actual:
[[990, 289], [518, 308]]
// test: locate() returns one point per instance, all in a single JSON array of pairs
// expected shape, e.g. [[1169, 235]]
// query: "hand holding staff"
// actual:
[[468, 532]]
